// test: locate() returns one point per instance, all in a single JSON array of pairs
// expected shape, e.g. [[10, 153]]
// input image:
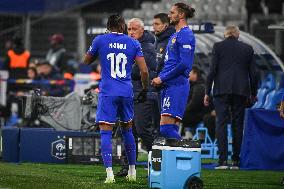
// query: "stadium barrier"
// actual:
[[42, 145], [263, 146]]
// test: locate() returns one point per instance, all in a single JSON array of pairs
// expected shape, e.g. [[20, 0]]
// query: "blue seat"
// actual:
[[274, 98], [200, 128], [207, 147], [267, 86]]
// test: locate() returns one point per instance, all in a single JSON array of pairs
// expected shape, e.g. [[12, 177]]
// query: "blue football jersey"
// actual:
[[117, 54], [179, 57]]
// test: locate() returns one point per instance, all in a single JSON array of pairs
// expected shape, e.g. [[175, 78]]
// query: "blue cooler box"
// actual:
[[174, 167]]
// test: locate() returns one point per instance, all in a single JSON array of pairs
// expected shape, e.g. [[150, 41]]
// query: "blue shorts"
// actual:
[[174, 100], [113, 108]]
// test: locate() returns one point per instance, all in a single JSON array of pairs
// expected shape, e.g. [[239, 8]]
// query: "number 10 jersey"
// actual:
[[117, 53]]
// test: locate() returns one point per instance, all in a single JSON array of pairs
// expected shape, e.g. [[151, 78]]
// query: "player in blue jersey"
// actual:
[[174, 76], [117, 53]]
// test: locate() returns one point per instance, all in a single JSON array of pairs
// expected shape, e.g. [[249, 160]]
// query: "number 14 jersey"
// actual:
[[117, 53]]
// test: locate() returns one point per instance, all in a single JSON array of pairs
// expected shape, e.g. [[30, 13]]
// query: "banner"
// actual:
[[263, 141]]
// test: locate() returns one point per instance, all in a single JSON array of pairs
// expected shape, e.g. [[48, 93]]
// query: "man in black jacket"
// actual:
[[144, 112], [232, 71], [163, 31]]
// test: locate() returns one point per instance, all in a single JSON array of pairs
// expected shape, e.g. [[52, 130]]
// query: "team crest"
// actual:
[[58, 149], [174, 40]]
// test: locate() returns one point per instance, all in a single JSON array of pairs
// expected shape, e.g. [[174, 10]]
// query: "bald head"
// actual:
[[135, 28]]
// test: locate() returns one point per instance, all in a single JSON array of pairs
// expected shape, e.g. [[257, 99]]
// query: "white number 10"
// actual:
[[115, 61]]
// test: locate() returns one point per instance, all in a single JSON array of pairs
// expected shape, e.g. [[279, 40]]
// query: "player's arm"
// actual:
[[252, 74], [92, 52], [88, 59], [212, 70], [186, 50], [140, 61]]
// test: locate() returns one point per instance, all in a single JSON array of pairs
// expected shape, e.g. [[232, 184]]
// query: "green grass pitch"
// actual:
[[61, 176]]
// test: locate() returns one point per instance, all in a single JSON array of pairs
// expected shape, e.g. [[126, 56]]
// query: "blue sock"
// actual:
[[130, 146], [170, 131], [106, 147]]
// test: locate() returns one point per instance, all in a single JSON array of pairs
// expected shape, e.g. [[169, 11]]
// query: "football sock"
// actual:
[[109, 172], [106, 147], [132, 170], [130, 146], [170, 131]]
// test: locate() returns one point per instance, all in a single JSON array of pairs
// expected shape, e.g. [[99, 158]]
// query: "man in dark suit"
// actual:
[[232, 71]]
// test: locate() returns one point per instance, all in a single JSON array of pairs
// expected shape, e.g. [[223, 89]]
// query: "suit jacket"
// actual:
[[232, 69]]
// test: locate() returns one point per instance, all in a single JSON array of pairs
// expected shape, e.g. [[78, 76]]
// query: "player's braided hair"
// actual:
[[186, 9], [116, 22]]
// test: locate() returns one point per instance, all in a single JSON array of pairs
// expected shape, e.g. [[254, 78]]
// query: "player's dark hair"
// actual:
[[125, 30], [197, 70], [186, 9], [163, 17], [116, 22]]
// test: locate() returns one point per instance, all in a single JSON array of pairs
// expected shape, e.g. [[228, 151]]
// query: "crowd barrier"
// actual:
[[41, 145]]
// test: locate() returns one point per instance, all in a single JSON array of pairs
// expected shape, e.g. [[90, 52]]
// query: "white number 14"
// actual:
[[116, 61]]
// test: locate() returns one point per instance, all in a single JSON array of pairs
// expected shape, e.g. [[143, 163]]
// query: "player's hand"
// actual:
[[142, 96], [156, 82], [206, 100]]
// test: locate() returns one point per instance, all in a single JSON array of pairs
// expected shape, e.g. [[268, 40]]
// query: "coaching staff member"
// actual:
[[232, 72]]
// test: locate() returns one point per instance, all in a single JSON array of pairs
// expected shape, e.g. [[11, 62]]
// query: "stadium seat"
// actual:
[[139, 14], [207, 147], [273, 99], [128, 13], [146, 5], [201, 129], [267, 86]]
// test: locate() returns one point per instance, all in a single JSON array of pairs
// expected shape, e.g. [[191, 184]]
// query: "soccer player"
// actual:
[[117, 53], [174, 75]]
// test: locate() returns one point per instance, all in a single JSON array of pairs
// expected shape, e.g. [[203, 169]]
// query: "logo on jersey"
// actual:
[[161, 50], [187, 47], [166, 56], [174, 40], [166, 103]]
